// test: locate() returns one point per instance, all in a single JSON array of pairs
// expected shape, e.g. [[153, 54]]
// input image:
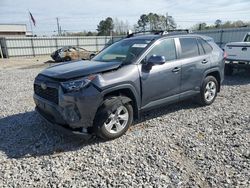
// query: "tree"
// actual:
[[143, 21], [153, 21], [90, 34], [105, 27], [199, 26], [83, 33], [120, 27], [239, 23], [217, 23], [170, 23]]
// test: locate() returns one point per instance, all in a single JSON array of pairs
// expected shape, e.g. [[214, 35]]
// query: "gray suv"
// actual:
[[104, 95]]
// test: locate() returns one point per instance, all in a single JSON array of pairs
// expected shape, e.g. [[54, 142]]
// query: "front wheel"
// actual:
[[208, 91], [113, 118]]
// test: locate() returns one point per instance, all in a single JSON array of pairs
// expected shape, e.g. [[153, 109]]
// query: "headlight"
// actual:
[[77, 85]]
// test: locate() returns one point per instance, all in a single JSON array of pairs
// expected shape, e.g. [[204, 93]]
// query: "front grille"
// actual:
[[50, 94]]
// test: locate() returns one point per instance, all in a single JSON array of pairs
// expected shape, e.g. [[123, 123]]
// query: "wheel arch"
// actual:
[[127, 91], [92, 55], [215, 73]]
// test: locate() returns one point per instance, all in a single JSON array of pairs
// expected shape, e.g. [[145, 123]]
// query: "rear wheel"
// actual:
[[209, 91], [91, 56], [113, 118]]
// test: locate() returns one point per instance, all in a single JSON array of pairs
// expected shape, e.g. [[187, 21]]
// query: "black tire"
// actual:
[[202, 98], [228, 70], [91, 56], [109, 106]]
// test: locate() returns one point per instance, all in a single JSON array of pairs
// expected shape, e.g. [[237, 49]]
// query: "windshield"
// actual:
[[124, 51]]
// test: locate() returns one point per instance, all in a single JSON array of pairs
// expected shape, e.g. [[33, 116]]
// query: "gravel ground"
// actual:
[[182, 145]]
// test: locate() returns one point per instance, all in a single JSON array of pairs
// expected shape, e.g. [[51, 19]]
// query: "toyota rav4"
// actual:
[[104, 95]]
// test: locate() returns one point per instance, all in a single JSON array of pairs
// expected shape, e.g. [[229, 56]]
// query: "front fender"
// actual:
[[125, 87]]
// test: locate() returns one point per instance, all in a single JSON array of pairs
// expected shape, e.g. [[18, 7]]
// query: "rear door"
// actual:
[[194, 62]]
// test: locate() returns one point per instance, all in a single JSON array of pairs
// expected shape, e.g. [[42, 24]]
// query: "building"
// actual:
[[13, 30]]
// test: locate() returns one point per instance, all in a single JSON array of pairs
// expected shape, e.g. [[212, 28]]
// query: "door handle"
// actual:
[[204, 61], [244, 49], [176, 69]]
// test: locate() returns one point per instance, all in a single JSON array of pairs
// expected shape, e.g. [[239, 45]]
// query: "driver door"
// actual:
[[161, 84]]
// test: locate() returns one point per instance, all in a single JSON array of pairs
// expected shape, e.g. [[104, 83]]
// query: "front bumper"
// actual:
[[74, 110]]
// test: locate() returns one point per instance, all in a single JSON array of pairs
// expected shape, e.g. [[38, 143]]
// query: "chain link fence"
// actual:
[[37, 46], [223, 36]]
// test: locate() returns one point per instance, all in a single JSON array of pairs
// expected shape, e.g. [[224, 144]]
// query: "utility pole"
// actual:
[[60, 30], [58, 27], [167, 21]]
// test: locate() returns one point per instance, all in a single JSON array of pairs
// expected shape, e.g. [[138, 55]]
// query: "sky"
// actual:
[[80, 15]]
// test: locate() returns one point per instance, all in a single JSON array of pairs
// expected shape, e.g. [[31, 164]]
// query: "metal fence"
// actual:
[[223, 36], [36, 46]]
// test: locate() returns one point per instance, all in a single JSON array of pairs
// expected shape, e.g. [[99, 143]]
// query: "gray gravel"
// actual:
[[182, 145]]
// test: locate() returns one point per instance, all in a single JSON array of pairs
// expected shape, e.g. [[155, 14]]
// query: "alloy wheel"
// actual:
[[117, 120], [210, 91]]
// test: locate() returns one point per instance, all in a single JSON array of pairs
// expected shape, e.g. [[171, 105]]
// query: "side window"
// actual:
[[189, 47], [206, 46], [164, 48]]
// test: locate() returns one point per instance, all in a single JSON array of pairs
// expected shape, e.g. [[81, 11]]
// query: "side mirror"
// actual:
[[156, 60]]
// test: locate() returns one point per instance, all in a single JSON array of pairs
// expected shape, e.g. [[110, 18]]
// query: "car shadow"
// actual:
[[168, 109], [241, 77], [27, 135]]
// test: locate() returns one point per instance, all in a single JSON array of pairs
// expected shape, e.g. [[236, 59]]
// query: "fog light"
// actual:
[[71, 114]]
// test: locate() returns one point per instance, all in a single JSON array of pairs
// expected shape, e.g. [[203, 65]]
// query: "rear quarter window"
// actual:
[[247, 38], [201, 49], [208, 49], [189, 47]]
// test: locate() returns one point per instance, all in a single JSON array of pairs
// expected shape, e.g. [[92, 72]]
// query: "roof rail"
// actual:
[[155, 32], [159, 32]]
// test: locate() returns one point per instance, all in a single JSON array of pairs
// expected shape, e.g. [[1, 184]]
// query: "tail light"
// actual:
[[225, 55]]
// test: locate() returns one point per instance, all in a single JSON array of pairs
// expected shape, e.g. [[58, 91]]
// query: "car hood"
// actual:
[[76, 69]]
